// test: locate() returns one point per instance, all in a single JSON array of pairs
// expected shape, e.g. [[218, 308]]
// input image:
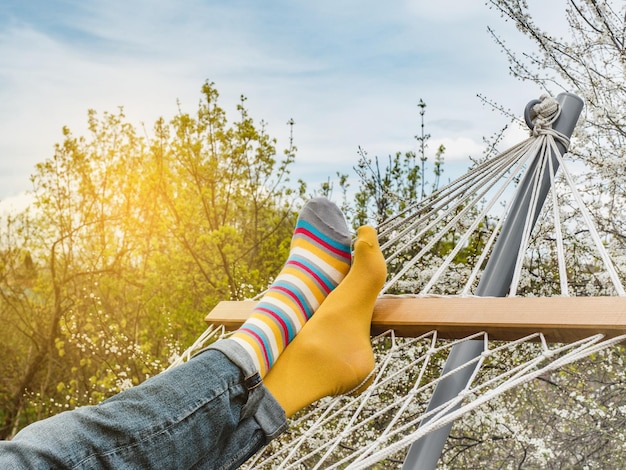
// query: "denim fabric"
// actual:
[[261, 404], [199, 415]]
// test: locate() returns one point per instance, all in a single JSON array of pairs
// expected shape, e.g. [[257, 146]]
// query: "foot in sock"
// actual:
[[333, 353], [318, 261]]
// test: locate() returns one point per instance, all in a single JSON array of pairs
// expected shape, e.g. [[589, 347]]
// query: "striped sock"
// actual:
[[318, 260]]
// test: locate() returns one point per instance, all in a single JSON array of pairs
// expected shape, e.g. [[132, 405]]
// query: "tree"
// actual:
[[590, 62], [573, 417], [389, 189], [130, 242]]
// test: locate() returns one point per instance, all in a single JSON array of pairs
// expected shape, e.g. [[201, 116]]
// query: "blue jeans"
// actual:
[[212, 412]]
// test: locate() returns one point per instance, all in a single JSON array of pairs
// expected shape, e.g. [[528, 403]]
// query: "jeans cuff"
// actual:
[[261, 403]]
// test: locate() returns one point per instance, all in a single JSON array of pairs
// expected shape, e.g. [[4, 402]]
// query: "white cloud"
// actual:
[[350, 74], [458, 149]]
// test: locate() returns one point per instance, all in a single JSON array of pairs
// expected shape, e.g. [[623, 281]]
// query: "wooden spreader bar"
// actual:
[[560, 319]]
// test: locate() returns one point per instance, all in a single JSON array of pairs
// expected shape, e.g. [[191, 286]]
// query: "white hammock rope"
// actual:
[[309, 445], [593, 230], [559, 234], [210, 335], [445, 209], [380, 423], [440, 214], [452, 190], [464, 239], [530, 216], [490, 172], [520, 159]]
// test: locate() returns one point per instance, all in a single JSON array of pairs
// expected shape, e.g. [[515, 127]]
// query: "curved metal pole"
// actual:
[[494, 282]]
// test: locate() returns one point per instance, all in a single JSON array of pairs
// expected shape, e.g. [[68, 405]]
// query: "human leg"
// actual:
[[203, 414], [318, 260], [333, 354], [213, 410]]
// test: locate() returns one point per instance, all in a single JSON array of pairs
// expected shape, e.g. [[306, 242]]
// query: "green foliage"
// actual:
[[132, 240], [129, 243], [388, 189], [385, 191]]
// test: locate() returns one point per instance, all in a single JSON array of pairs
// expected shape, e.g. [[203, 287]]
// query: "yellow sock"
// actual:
[[332, 354]]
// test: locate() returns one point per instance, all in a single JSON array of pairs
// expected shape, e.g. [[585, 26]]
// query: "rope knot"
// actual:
[[543, 114]]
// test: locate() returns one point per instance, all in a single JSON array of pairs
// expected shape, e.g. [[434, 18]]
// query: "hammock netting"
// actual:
[[439, 247]]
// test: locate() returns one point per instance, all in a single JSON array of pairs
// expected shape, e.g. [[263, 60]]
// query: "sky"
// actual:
[[349, 73]]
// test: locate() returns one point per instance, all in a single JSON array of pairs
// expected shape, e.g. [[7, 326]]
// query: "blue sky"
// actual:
[[349, 73]]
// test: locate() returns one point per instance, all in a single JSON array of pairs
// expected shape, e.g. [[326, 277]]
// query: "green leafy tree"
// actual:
[[130, 242], [387, 188]]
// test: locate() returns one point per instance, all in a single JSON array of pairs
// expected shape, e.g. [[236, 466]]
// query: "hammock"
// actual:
[[494, 207]]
